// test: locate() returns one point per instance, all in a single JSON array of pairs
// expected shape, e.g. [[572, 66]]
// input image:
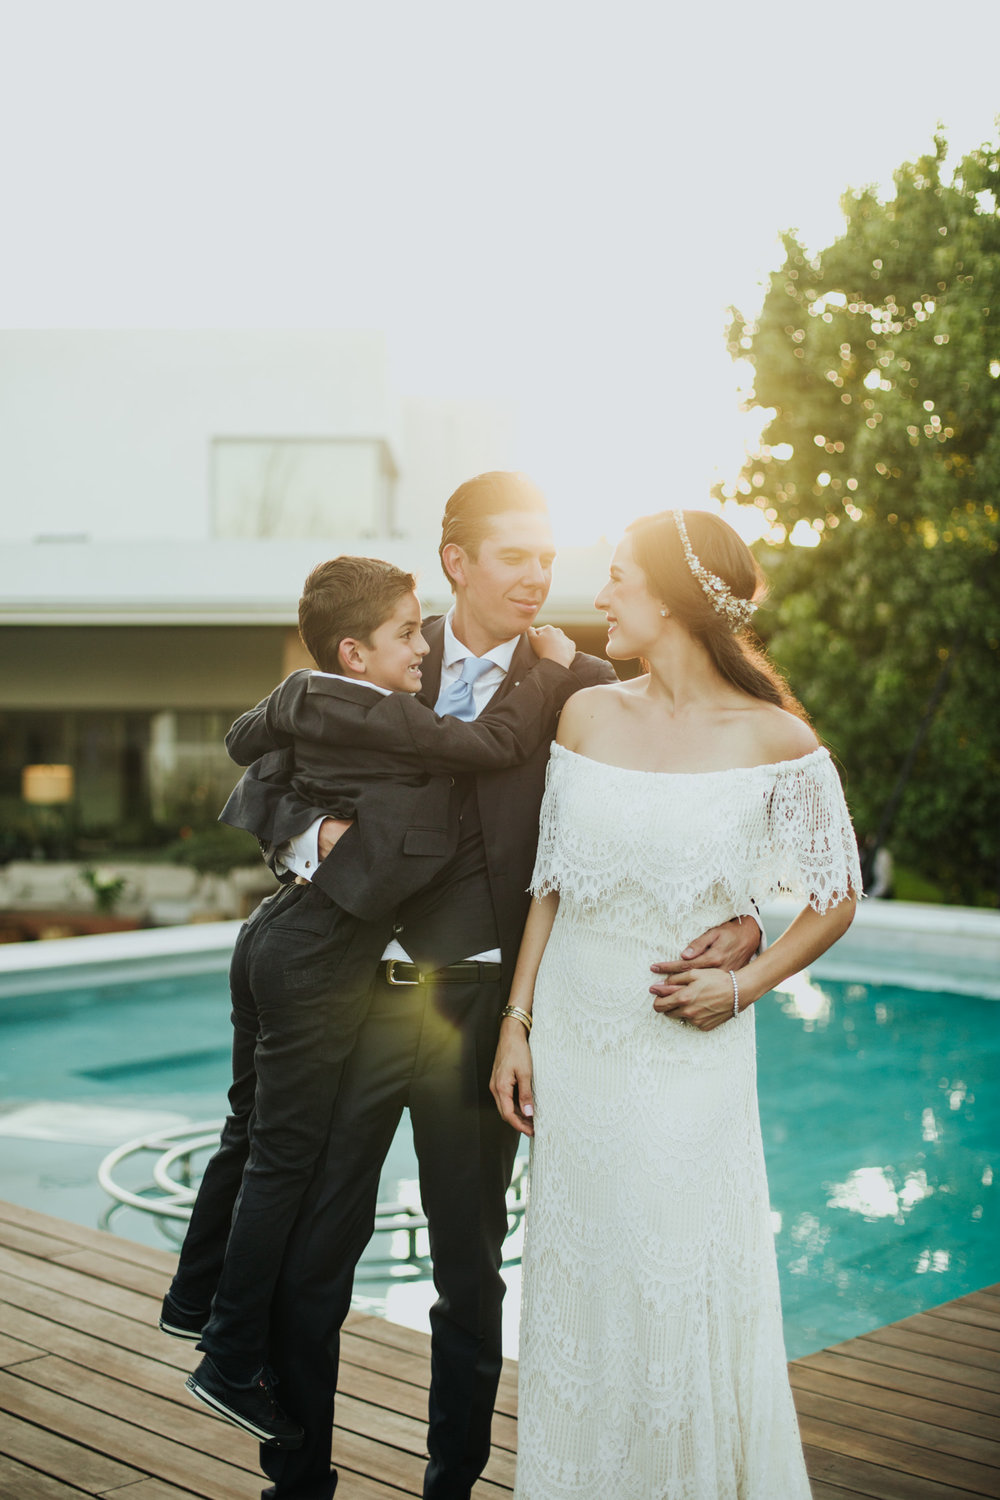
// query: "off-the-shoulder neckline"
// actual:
[[777, 767]]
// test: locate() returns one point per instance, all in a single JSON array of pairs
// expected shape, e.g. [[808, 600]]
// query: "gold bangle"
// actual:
[[519, 1015]]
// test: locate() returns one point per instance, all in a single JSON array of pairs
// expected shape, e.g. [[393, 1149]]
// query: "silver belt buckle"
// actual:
[[390, 972]]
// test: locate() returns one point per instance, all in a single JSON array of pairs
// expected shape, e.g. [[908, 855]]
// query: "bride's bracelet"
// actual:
[[736, 994], [519, 1015]]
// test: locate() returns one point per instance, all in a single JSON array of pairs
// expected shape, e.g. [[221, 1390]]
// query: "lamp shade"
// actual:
[[46, 786]]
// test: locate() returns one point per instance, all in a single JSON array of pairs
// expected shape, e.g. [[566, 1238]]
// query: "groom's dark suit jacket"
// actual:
[[384, 761], [508, 798]]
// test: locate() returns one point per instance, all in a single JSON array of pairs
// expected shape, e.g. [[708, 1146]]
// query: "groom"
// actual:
[[427, 1043]]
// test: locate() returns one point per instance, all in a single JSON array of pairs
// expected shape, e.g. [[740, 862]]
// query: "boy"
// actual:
[[358, 741]]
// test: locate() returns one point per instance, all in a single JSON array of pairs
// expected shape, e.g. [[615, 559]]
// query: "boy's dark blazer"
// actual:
[[509, 799], [386, 762]]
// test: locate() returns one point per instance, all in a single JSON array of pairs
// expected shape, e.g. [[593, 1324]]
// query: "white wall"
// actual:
[[443, 443], [108, 433]]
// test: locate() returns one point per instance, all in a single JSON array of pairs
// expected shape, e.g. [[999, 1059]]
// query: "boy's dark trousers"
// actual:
[[299, 981], [429, 1049]]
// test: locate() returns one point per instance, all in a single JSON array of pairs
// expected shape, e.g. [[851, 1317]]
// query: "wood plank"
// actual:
[[33, 1242], [188, 1422], [885, 1352], [823, 1491], [123, 1441], [389, 1359], [358, 1487], [150, 1489], [905, 1336], [145, 1279], [900, 1377], [418, 1344], [988, 1299], [973, 1317], [82, 1237], [90, 1318], [412, 1340], [54, 1455], [17, 1480], [857, 1477], [977, 1331], [916, 1431], [79, 1285], [12, 1351], [903, 1457], [380, 1357], [380, 1391], [878, 1399], [406, 1433], [393, 1467], [97, 1354]]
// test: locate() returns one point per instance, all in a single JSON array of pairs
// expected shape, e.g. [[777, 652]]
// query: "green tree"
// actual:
[[879, 360]]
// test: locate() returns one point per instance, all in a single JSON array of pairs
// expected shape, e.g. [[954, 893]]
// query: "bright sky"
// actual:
[[547, 204]]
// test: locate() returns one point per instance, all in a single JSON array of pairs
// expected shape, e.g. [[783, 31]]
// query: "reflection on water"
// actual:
[[933, 1260], [805, 1000], [881, 1121], [872, 1192]]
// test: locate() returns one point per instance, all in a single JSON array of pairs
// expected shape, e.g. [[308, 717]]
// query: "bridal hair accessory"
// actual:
[[718, 593]]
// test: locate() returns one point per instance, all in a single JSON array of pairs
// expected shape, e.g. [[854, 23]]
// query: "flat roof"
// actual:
[[228, 582]]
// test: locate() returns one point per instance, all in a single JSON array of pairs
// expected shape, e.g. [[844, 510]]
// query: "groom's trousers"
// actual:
[[428, 1048]]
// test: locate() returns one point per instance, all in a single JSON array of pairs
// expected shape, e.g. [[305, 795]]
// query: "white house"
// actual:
[[162, 497]]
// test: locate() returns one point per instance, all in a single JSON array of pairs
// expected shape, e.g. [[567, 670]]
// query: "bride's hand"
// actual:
[[511, 1081], [701, 997]]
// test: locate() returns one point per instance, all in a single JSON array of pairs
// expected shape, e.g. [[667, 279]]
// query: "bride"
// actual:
[[652, 1363]]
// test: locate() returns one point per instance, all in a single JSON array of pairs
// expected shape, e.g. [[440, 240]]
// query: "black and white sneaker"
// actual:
[[181, 1325], [251, 1407]]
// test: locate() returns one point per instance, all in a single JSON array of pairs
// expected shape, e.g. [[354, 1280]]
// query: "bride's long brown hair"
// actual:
[[657, 547]]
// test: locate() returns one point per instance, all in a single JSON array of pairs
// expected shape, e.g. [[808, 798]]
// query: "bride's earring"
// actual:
[[664, 613]]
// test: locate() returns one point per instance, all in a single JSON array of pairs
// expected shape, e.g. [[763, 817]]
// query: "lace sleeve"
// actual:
[[814, 850], [547, 860]]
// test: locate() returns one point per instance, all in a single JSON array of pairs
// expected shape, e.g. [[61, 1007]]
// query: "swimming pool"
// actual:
[[880, 1113]]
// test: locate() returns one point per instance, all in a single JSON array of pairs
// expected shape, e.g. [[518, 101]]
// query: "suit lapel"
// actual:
[[523, 661], [430, 684]]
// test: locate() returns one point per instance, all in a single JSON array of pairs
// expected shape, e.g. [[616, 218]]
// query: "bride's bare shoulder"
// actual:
[[590, 706], [781, 735]]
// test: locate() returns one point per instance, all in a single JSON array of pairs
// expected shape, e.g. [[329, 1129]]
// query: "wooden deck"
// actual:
[[92, 1399]]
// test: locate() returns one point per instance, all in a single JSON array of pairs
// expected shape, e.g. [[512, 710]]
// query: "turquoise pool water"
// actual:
[[880, 1111]]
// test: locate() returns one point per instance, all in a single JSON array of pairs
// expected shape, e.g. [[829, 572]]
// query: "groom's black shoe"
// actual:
[[179, 1324], [251, 1407]]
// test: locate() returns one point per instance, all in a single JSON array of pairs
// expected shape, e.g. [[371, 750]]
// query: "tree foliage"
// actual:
[[880, 362]]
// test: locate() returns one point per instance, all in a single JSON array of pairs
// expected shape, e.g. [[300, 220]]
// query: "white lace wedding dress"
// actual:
[[652, 1363]]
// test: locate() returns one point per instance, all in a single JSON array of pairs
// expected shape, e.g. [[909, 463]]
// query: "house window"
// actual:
[[303, 487]]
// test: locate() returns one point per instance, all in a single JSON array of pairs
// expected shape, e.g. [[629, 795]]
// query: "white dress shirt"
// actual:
[[301, 854]]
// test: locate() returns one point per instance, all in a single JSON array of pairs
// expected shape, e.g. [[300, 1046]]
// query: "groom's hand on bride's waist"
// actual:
[[728, 946]]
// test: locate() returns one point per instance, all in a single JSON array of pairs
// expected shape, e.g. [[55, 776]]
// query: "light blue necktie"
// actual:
[[458, 699]]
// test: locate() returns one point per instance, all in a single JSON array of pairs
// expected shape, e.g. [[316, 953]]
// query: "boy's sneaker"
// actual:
[[251, 1407], [181, 1325]]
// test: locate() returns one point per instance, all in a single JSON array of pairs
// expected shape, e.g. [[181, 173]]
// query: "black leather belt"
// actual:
[[469, 971]]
